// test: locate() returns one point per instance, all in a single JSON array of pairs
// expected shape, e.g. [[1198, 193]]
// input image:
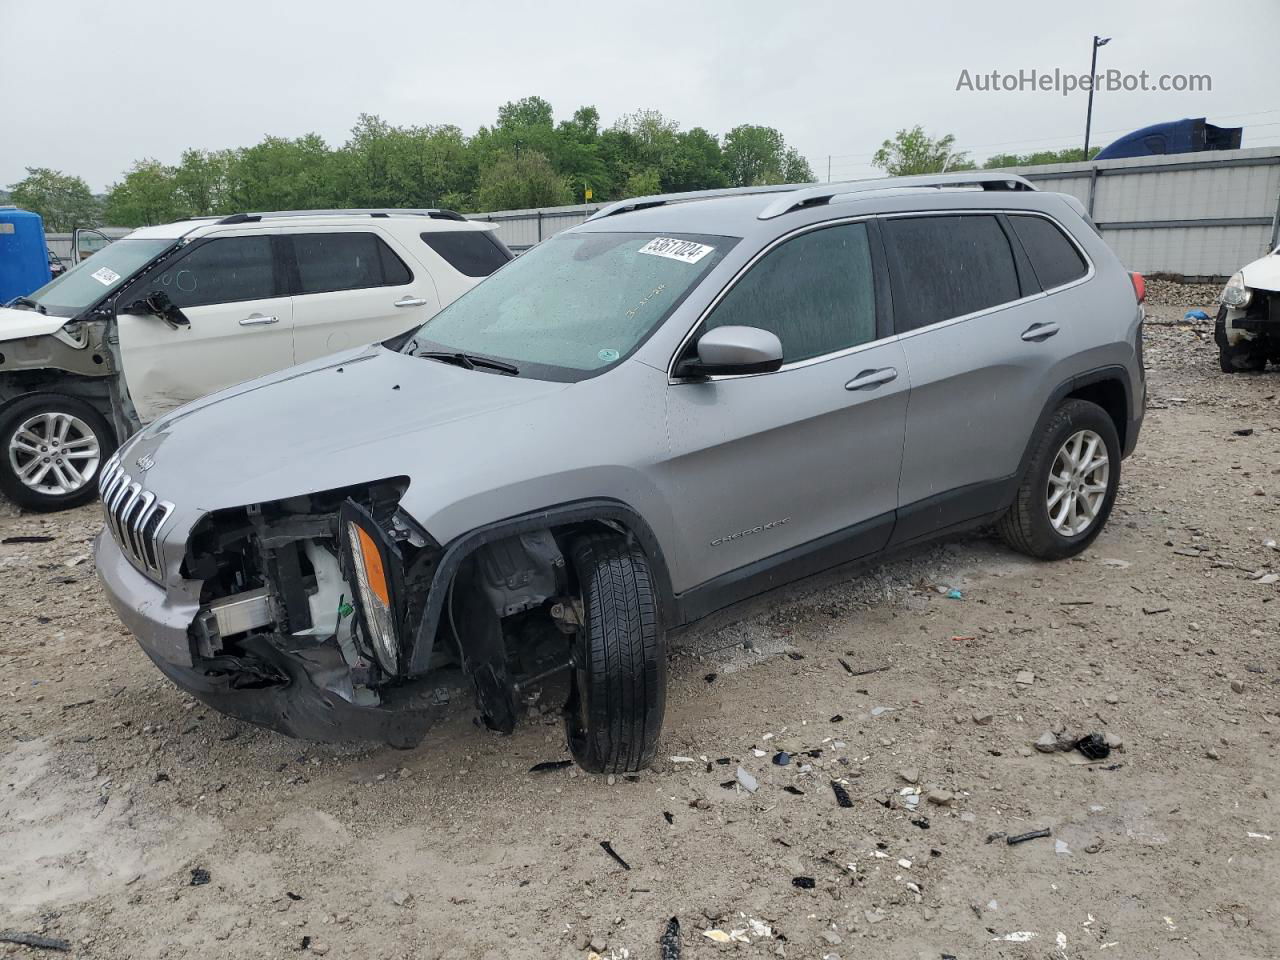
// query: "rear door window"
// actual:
[[328, 262], [1054, 258], [815, 291], [473, 253], [222, 270], [947, 266]]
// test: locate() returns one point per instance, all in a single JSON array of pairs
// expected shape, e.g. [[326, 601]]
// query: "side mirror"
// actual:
[[733, 350], [157, 302]]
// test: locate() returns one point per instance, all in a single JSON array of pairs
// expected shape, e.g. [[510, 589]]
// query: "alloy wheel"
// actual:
[[54, 453], [1078, 482]]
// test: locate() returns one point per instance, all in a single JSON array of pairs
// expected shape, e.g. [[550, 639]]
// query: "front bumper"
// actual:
[[300, 704]]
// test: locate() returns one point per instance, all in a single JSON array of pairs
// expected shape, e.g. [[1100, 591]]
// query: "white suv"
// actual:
[[171, 313]]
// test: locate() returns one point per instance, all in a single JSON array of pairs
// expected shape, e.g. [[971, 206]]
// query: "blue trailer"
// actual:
[[1174, 136], [24, 257]]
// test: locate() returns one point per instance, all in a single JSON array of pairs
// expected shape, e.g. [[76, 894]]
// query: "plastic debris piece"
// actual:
[[546, 765], [1018, 936], [710, 678], [1024, 837], [921, 822], [847, 669], [34, 940], [782, 758], [1094, 746], [199, 877], [1196, 315], [1258, 836], [719, 936], [954, 594], [758, 753], [796, 791], [1060, 846], [669, 945], [683, 760], [804, 883], [607, 847], [837, 718], [668, 817], [28, 539], [747, 781], [880, 711], [842, 795]]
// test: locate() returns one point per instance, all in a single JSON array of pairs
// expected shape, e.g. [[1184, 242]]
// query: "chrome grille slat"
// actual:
[[135, 516]]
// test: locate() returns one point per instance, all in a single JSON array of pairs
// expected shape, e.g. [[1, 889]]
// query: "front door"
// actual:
[[241, 325], [774, 476], [353, 288]]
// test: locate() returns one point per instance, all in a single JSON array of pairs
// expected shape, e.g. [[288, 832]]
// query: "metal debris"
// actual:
[[546, 765], [1024, 837], [34, 940], [804, 883], [842, 795], [607, 847], [669, 945]]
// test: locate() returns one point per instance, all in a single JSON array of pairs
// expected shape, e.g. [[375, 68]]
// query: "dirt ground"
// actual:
[[115, 787]]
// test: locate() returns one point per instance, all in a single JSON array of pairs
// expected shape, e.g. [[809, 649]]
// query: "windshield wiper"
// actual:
[[470, 361], [27, 302]]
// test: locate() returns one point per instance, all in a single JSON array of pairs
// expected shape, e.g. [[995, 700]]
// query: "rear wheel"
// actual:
[[619, 683], [51, 449], [1070, 485]]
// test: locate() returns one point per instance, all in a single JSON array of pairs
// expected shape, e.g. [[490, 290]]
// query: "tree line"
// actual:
[[525, 159]]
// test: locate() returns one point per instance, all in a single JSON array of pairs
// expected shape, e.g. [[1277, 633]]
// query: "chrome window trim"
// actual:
[[1090, 272]]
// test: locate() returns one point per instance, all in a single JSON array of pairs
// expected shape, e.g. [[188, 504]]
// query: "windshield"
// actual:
[[91, 279], [574, 304]]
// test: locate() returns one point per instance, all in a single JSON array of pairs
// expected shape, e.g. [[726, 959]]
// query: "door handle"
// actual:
[[872, 378], [1039, 331], [254, 319], [411, 302]]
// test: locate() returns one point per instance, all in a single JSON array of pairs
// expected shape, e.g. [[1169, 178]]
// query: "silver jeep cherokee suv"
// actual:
[[681, 403]]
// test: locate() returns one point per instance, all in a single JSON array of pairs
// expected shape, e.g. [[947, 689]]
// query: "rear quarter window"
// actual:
[[1054, 258], [473, 253]]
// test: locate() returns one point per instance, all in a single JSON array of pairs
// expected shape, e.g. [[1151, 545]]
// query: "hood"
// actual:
[[356, 417], [16, 324], [1263, 274]]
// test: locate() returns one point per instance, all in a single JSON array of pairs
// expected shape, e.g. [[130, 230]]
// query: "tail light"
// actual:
[[1139, 286]]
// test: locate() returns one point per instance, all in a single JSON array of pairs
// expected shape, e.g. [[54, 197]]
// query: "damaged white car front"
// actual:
[[1247, 330]]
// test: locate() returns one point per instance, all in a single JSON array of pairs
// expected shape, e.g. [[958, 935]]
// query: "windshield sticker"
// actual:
[[686, 251], [608, 355], [105, 276]]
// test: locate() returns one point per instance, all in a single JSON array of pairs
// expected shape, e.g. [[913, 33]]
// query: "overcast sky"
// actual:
[[87, 88]]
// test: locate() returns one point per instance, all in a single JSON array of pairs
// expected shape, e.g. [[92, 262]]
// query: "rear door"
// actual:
[[232, 291], [776, 475], [351, 287], [985, 347]]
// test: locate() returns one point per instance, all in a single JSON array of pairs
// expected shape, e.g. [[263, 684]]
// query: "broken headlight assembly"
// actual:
[[1235, 294], [372, 564]]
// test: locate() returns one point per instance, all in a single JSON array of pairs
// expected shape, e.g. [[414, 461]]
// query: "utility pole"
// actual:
[[828, 168], [1093, 73]]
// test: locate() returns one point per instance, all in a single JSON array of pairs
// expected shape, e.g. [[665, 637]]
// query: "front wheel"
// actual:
[[1069, 487], [619, 684], [1248, 356], [51, 449]]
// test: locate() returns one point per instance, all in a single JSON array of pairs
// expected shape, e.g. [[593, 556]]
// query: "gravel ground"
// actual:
[[119, 794]]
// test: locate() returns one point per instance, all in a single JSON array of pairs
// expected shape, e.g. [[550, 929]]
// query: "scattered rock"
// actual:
[[943, 798], [909, 774], [1025, 677], [1047, 743], [982, 718], [401, 898], [1237, 686]]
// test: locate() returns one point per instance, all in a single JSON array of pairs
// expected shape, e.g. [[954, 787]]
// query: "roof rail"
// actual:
[[814, 195], [432, 212], [659, 199]]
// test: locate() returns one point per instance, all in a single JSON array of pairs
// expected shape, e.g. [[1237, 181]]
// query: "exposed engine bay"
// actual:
[[329, 591]]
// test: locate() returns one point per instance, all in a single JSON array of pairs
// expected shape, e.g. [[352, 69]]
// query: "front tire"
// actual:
[[619, 684], [1249, 356], [1069, 487], [51, 449]]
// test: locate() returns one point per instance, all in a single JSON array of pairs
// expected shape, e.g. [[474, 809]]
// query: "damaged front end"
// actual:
[[1247, 329], [314, 618]]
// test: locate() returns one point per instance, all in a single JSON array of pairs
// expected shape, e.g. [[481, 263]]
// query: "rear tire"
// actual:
[[619, 684], [52, 448], [1049, 528]]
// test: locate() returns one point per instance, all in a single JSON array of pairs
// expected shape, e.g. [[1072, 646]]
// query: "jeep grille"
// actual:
[[134, 517]]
